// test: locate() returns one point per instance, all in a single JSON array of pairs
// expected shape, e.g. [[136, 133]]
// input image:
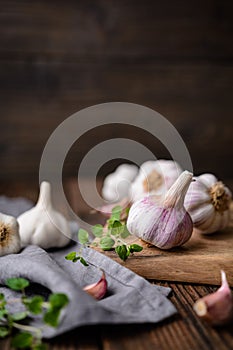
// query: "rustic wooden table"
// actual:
[[183, 331]]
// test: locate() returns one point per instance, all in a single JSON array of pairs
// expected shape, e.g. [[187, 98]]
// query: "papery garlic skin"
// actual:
[[116, 185], [9, 235], [165, 225], [154, 177], [43, 225], [208, 203], [216, 308]]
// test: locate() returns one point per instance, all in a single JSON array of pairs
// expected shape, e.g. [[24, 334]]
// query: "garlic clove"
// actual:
[[165, 224], [216, 308], [43, 225], [9, 235], [97, 290], [116, 185], [207, 179]]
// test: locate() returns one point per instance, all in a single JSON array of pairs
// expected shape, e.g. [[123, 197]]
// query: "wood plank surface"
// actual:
[[198, 261], [57, 58], [184, 331]]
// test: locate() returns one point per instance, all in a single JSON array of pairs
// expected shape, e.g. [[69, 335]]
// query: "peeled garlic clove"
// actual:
[[208, 203], [164, 224], [216, 308], [43, 225], [116, 185], [9, 235], [97, 290], [154, 177]]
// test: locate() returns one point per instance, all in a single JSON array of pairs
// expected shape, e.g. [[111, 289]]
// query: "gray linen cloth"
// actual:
[[130, 298]]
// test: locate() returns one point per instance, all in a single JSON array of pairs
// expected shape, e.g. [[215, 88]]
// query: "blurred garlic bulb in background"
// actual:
[[117, 184], [43, 225], [155, 177], [9, 235], [208, 203]]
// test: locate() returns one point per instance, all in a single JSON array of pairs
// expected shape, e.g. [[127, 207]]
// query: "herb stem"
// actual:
[[26, 328]]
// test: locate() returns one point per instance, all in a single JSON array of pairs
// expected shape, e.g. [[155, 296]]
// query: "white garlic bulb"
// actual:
[[164, 224], [116, 185], [208, 203], [155, 177], [9, 235], [43, 225]]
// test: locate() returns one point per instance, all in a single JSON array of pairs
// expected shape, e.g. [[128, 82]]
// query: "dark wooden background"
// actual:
[[57, 57]]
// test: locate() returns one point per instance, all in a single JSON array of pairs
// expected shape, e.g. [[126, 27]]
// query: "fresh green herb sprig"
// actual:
[[29, 336], [108, 237]]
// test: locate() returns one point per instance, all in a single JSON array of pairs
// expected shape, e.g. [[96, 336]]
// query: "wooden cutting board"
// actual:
[[199, 260]]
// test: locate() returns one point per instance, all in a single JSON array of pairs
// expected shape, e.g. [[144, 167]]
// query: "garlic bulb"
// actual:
[[208, 203], [216, 308], [155, 177], [9, 235], [116, 185], [97, 290], [43, 225], [167, 224]]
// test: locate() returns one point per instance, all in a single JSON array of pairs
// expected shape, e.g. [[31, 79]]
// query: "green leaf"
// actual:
[[83, 261], [71, 256], [22, 340], [122, 252], [83, 236], [51, 317], [106, 243], [116, 213], [17, 283], [34, 305], [2, 301], [125, 232], [4, 331], [3, 313], [39, 347], [19, 316], [58, 300], [135, 248], [97, 230], [117, 228]]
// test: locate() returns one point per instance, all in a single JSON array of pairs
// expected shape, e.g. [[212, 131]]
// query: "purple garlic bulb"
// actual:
[[163, 223]]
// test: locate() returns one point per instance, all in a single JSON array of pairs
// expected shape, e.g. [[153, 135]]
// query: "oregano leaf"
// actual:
[[34, 304], [17, 283], [97, 230], [116, 213], [4, 331], [19, 316], [83, 236], [83, 261], [117, 228], [71, 256], [135, 248], [51, 317], [58, 300], [122, 252], [22, 340], [106, 243]]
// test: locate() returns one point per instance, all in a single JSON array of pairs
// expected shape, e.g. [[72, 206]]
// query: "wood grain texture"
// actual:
[[181, 332], [198, 261], [56, 59]]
